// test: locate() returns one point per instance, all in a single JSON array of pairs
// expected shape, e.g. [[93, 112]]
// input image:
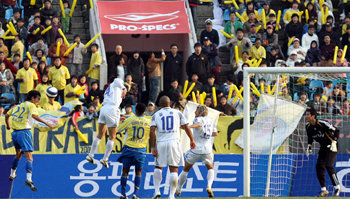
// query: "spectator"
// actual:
[[66, 20], [313, 55], [294, 28], [32, 18], [312, 11], [233, 25], [345, 26], [131, 95], [318, 104], [33, 35], [250, 9], [345, 109], [95, 63], [91, 112], [179, 102], [270, 39], [198, 63], [293, 57], [326, 59], [272, 21], [42, 87], [151, 109], [257, 51], [6, 79], [136, 68], [15, 17], [48, 12], [338, 95], [225, 108], [328, 46], [174, 91], [16, 61], [332, 34], [27, 79], [121, 68], [273, 56], [252, 34], [327, 90], [332, 108], [346, 41], [154, 74], [237, 105], [9, 65], [82, 82], [301, 52], [50, 34], [94, 92], [311, 22], [303, 100], [63, 49], [3, 48], [208, 87], [112, 64], [42, 68], [198, 85], [34, 65], [309, 37], [268, 11], [208, 102], [340, 63], [2, 32], [225, 88], [330, 13], [22, 30], [77, 112], [291, 12], [55, 26], [267, 77], [18, 47], [245, 60], [40, 44], [39, 56], [69, 91], [172, 66], [210, 50], [78, 59], [209, 32], [285, 94], [30, 9], [252, 20], [242, 42], [59, 76]]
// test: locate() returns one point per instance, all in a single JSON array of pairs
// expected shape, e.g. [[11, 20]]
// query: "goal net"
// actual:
[[275, 139]]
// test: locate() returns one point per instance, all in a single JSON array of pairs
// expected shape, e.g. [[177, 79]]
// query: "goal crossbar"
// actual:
[[246, 106]]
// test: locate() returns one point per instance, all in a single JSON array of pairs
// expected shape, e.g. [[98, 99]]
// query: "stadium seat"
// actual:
[[8, 14]]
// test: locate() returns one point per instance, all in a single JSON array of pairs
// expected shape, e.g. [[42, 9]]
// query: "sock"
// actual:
[[94, 146], [109, 148], [337, 187], [157, 179], [323, 189], [137, 184], [182, 179], [29, 169], [210, 177], [173, 184], [123, 184]]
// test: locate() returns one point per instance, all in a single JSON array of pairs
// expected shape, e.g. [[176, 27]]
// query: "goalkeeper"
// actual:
[[326, 135]]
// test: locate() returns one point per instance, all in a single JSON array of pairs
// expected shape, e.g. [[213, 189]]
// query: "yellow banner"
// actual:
[[64, 140]]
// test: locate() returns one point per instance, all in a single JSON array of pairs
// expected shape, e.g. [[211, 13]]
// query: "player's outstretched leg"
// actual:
[[157, 179], [29, 170], [123, 181], [109, 146], [137, 184], [96, 142], [210, 179], [173, 184], [182, 180], [15, 164]]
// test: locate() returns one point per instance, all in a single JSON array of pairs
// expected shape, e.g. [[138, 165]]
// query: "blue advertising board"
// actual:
[[71, 176]]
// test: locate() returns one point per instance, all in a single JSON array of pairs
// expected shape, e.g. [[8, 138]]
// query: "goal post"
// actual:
[[247, 72]]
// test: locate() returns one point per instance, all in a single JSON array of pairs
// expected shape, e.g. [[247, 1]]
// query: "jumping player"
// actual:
[[203, 130], [134, 149], [168, 150], [327, 136], [22, 121], [109, 117]]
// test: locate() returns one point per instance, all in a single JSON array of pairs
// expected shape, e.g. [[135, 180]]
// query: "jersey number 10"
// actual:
[[167, 123]]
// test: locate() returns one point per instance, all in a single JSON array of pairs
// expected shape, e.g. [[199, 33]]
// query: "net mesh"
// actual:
[[292, 172]]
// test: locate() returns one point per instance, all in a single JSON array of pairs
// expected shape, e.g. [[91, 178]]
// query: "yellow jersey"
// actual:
[[51, 107], [257, 53], [69, 88], [22, 115], [28, 76], [138, 130], [59, 76], [42, 89], [96, 59]]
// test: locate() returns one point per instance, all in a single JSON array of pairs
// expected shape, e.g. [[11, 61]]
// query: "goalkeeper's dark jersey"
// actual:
[[322, 132]]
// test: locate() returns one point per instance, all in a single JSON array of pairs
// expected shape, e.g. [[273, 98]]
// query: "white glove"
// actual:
[[333, 146], [308, 150]]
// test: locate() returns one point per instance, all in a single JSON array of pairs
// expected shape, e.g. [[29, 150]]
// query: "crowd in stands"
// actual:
[[36, 58]]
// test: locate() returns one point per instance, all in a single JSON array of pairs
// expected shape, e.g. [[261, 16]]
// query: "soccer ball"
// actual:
[[51, 91]]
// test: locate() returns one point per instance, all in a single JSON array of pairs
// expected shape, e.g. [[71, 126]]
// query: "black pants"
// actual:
[[325, 160], [61, 96]]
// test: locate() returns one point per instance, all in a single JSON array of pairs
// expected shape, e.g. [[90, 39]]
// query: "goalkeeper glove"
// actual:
[[308, 150], [333, 146]]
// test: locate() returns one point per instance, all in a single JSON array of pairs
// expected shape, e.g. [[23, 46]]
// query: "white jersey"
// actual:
[[202, 135], [168, 122], [114, 92]]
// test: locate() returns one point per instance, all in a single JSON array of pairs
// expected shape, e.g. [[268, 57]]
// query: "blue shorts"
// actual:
[[132, 156], [23, 139]]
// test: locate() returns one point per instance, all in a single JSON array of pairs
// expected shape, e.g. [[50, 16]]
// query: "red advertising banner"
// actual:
[[143, 17]]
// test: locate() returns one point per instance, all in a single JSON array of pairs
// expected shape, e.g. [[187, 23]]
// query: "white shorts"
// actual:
[[169, 153], [109, 115], [192, 158]]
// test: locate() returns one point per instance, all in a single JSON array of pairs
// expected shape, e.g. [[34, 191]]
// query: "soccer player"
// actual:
[[22, 121], [203, 130], [168, 151], [326, 135], [134, 149], [109, 117]]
